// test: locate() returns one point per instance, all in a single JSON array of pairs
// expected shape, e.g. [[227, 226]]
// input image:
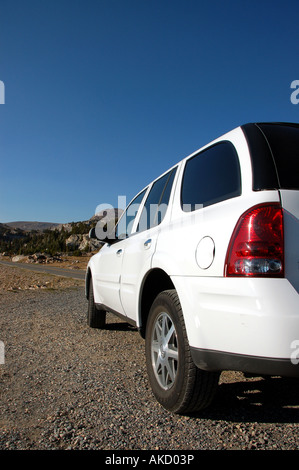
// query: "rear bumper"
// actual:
[[219, 361], [241, 321]]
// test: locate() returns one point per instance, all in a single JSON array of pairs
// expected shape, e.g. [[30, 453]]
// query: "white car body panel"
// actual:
[[136, 263], [232, 315], [290, 204]]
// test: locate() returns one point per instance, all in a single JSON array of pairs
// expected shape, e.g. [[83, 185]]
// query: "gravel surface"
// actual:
[[66, 386]]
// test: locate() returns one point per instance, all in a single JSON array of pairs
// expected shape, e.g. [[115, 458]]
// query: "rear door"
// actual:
[[141, 245]]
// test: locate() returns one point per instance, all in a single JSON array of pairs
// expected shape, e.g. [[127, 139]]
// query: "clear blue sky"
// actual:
[[102, 96]]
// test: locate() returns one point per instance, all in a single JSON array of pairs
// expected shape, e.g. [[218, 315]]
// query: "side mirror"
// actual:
[[92, 233], [104, 239]]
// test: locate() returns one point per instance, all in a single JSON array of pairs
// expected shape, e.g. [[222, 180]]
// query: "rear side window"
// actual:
[[274, 152], [211, 176], [284, 143], [156, 203]]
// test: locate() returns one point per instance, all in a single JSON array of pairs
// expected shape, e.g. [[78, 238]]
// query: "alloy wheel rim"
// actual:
[[164, 351]]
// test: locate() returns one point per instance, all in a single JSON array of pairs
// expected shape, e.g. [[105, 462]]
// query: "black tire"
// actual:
[[178, 385], [96, 318]]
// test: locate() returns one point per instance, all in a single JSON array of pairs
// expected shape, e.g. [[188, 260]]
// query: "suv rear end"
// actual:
[[214, 284], [237, 275], [274, 150]]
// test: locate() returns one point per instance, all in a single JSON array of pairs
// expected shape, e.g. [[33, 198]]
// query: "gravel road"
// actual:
[[66, 386], [76, 274]]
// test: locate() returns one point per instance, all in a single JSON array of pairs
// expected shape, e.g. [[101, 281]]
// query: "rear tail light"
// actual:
[[257, 247]]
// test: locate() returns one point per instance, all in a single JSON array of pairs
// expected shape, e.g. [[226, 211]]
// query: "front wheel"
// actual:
[[95, 318], [177, 384]]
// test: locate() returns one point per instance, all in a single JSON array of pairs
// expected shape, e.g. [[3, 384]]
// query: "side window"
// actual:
[[156, 203], [211, 176], [125, 224]]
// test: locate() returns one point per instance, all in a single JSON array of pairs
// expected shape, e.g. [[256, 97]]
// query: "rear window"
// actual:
[[284, 143], [211, 176], [274, 151]]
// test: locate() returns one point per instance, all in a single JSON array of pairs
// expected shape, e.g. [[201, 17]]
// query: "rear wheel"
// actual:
[[177, 384], [96, 318]]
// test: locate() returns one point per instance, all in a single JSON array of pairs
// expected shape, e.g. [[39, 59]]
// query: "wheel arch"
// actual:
[[155, 282]]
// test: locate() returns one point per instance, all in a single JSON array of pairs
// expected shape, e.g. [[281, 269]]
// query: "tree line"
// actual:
[[18, 242]]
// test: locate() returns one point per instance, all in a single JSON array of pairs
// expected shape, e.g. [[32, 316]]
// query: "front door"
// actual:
[[107, 274], [108, 262]]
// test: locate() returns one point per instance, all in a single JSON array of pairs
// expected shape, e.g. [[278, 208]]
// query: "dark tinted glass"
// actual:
[[211, 176], [284, 143], [157, 201], [125, 224], [264, 175]]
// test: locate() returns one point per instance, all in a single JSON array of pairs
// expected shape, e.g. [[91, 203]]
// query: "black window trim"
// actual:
[[264, 172]]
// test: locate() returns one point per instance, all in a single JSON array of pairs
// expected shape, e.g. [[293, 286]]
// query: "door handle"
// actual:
[[119, 252], [148, 243]]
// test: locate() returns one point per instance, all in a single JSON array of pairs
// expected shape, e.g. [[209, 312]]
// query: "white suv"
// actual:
[[205, 262]]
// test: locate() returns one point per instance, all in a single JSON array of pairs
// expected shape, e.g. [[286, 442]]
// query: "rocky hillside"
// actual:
[[29, 226], [28, 238]]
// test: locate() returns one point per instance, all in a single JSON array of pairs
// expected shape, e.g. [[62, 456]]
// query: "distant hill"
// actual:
[[41, 226], [29, 226], [27, 238]]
